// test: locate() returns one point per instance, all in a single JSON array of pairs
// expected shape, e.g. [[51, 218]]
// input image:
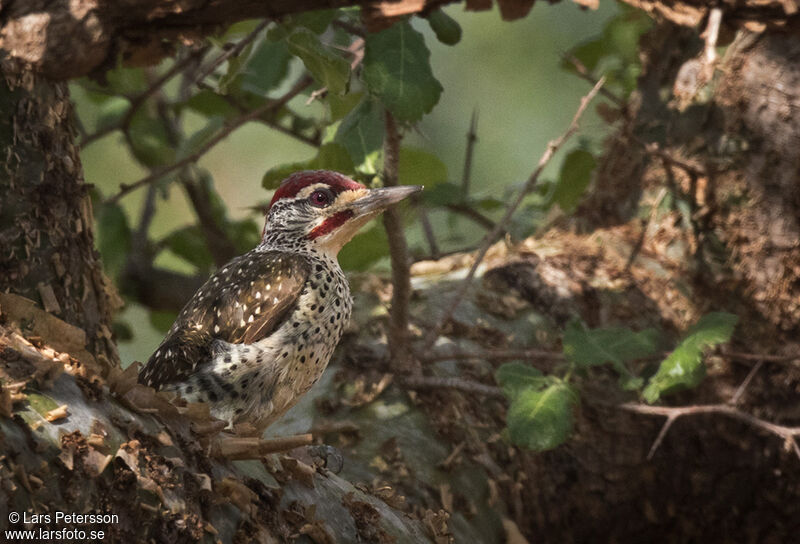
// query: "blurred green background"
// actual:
[[510, 73]]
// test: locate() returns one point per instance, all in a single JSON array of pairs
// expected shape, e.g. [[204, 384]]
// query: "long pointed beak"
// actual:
[[377, 200]]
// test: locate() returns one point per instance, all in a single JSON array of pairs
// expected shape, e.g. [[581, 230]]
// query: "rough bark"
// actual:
[[46, 244]]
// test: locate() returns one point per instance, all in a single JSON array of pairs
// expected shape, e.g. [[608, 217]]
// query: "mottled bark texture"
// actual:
[[733, 157], [46, 244], [744, 143], [759, 96], [65, 39]]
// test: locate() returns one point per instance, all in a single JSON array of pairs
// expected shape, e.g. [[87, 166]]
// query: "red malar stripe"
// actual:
[[330, 224]]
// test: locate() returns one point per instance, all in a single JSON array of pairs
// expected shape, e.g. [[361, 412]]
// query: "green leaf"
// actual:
[[327, 67], [487, 203], [122, 330], [189, 244], [114, 237], [576, 173], [341, 105], [615, 345], [246, 234], [447, 29], [684, 366], [331, 156], [418, 167], [365, 249], [589, 54], [316, 21], [516, 377], [199, 138], [235, 66], [126, 81], [162, 320], [275, 175], [442, 194], [40, 403], [150, 143], [236, 31], [267, 68], [615, 54], [210, 104], [361, 132], [397, 70], [111, 111], [541, 419]]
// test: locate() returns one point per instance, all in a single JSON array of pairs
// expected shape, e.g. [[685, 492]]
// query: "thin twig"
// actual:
[[650, 148], [472, 137], [741, 356], [427, 229], [788, 434], [472, 214], [231, 52], [267, 120], [645, 226], [138, 100], [746, 383], [584, 73], [229, 127], [496, 355], [511, 208], [459, 384], [398, 251], [653, 148]]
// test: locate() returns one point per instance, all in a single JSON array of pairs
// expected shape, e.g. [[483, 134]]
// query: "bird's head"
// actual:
[[324, 209]]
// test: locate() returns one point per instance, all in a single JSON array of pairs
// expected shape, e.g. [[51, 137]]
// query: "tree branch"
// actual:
[[672, 413], [472, 137], [398, 251], [229, 128], [473, 215], [267, 120], [231, 52], [459, 384], [495, 355], [511, 208], [137, 101]]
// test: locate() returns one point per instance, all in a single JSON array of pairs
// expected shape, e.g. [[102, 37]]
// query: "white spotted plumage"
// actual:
[[260, 332]]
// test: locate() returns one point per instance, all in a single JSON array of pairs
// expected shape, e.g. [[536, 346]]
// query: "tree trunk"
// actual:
[[47, 251]]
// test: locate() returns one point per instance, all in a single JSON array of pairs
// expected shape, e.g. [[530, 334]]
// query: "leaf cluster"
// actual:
[[540, 414]]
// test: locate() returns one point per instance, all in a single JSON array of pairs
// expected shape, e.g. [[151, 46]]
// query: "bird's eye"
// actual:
[[321, 198]]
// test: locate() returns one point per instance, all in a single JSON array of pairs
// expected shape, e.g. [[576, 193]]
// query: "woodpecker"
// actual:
[[260, 332]]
